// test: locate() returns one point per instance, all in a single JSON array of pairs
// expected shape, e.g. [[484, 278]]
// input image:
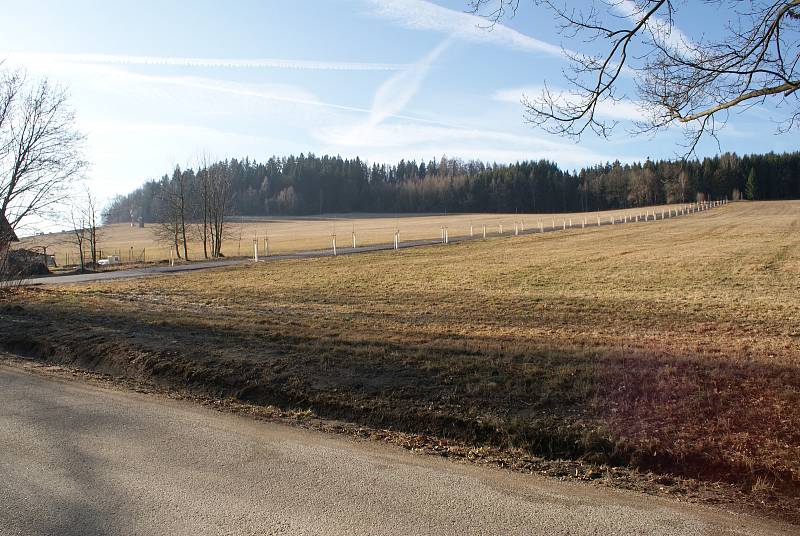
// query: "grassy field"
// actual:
[[289, 235], [672, 346]]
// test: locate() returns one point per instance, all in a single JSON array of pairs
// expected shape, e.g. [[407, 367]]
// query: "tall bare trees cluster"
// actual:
[[85, 219], [217, 201], [194, 207]]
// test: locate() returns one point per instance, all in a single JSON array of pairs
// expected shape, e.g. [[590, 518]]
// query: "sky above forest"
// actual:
[[156, 84]]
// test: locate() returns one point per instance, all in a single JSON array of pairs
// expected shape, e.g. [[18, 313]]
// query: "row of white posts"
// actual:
[[519, 227]]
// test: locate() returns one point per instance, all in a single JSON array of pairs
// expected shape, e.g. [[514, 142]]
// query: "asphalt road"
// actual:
[[205, 265], [78, 459]]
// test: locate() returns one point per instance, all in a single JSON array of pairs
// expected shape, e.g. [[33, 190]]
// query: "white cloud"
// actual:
[[424, 15], [392, 141], [622, 109], [394, 94], [256, 63]]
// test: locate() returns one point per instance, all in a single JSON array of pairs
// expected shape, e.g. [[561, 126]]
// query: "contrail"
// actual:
[[255, 63]]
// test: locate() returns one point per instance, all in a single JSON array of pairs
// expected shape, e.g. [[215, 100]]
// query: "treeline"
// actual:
[[309, 184]]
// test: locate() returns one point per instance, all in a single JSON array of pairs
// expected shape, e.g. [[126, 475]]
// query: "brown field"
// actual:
[[293, 234], [669, 346]]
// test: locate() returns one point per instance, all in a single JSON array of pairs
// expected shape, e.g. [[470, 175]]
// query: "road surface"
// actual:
[[78, 459], [205, 265]]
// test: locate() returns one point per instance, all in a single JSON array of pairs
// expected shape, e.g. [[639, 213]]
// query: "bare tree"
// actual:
[[83, 215], [678, 80], [91, 218], [79, 232], [217, 194], [174, 216], [40, 148], [205, 181]]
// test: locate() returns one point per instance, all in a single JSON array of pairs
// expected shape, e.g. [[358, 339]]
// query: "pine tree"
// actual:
[[750, 187]]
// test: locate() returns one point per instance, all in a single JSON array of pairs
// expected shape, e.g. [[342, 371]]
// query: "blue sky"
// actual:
[[155, 84]]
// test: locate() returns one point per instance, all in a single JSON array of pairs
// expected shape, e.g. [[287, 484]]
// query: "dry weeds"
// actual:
[[293, 234], [672, 346]]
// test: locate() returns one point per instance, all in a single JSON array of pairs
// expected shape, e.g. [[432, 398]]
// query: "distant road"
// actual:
[[206, 265], [78, 459], [160, 270]]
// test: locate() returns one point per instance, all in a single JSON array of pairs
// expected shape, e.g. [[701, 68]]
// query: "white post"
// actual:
[[334, 245], [563, 225], [516, 229], [470, 230], [354, 240], [570, 223], [446, 236], [613, 220], [501, 228], [553, 227], [396, 240], [598, 221], [541, 226], [583, 226], [255, 250], [484, 230], [171, 261], [522, 226]]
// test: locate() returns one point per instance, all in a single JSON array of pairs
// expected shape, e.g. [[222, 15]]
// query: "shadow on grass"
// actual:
[[689, 415]]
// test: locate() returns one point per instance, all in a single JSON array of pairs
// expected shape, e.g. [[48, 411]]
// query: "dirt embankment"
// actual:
[[358, 385]]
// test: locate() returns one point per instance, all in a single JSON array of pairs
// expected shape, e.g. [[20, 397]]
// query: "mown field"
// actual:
[[672, 346], [293, 234]]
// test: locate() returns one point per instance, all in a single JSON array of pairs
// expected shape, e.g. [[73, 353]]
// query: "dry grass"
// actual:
[[289, 235], [671, 345]]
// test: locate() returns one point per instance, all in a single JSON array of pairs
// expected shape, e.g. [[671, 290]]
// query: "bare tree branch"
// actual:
[[40, 148], [677, 80]]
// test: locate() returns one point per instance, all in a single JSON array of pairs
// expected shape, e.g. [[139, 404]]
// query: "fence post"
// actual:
[[516, 229], [541, 226], [563, 225], [470, 230], [583, 225], [522, 226], [171, 261], [396, 239], [484, 230], [334, 245], [255, 250], [354, 240], [501, 228], [266, 247], [598, 221]]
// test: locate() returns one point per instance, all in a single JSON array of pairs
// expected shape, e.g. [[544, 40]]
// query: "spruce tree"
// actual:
[[750, 187]]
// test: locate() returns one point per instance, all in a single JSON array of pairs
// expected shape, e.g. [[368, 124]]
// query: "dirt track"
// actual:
[[83, 459]]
